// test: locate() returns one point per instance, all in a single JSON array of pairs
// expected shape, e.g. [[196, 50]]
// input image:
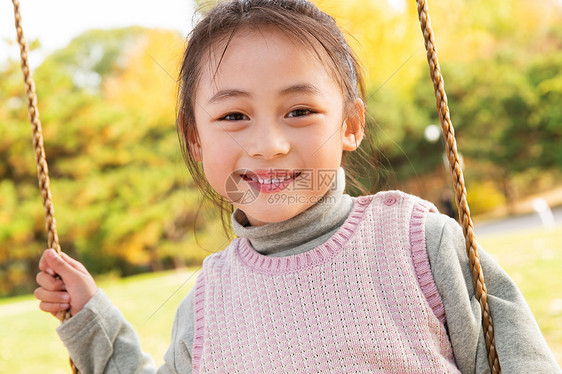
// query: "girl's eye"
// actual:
[[234, 117], [299, 112]]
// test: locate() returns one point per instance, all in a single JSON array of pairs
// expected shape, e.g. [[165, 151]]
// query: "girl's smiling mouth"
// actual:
[[273, 180]]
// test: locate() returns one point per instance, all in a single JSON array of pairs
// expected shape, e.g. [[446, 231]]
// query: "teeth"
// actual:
[[271, 180]]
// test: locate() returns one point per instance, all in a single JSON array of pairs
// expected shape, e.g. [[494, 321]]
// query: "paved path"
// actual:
[[518, 223]]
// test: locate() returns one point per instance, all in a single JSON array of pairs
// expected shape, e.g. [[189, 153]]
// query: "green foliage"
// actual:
[[507, 114], [123, 199], [502, 79]]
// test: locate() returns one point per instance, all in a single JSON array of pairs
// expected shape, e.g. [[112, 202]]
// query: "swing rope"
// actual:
[[459, 185], [40, 158]]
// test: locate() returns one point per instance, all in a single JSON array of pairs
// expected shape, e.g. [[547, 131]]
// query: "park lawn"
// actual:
[[29, 344], [534, 260]]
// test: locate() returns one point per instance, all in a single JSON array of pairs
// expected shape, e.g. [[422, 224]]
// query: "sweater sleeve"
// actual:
[[520, 344], [100, 340]]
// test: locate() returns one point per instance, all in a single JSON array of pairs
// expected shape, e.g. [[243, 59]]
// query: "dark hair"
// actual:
[[299, 19]]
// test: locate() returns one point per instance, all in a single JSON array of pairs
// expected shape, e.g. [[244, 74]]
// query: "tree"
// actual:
[[123, 199]]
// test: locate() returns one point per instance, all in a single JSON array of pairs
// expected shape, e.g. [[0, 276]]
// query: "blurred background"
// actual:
[[127, 208]]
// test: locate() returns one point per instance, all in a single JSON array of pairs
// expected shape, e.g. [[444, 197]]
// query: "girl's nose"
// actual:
[[268, 141]]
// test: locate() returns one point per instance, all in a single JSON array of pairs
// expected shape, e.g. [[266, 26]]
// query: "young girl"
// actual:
[[317, 281]]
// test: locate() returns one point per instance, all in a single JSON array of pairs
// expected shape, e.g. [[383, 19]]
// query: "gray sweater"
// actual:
[[100, 340]]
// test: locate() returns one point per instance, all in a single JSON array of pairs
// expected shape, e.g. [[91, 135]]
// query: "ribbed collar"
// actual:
[[280, 239]]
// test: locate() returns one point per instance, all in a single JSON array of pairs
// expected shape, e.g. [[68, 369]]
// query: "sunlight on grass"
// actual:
[[534, 260], [29, 343]]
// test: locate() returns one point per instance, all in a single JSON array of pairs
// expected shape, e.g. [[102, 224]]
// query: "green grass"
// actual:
[[534, 260], [29, 344]]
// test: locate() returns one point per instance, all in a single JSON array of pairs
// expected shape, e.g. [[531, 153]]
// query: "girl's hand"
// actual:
[[74, 288]]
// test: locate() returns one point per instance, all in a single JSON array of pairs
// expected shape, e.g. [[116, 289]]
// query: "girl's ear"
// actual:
[[192, 140], [194, 145], [354, 126]]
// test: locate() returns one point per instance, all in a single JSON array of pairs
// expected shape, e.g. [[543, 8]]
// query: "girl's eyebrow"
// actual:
[[299, 88], [225, 94]]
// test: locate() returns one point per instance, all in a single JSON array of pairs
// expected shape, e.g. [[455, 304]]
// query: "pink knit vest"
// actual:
[[362, 302]]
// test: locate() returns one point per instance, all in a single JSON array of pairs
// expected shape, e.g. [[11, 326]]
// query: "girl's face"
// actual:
[[271, 127]]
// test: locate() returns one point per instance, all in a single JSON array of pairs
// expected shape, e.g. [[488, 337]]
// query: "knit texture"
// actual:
[[420, 258], [354, 304]]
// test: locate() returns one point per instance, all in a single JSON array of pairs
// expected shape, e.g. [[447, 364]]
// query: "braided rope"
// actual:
[[459, 185], [40, 158]]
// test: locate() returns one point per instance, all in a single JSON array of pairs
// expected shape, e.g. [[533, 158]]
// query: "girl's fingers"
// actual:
[[44, 265], [49, 282], [59, 297], [52, 255], [75, 264], [54, 308]]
